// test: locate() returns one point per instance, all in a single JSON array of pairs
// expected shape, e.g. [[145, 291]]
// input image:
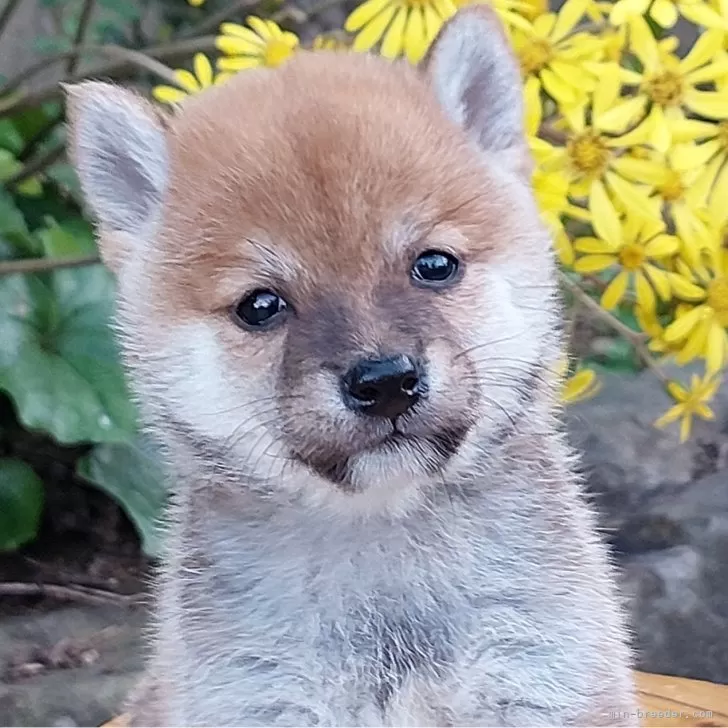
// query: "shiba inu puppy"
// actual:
[[338, 309]]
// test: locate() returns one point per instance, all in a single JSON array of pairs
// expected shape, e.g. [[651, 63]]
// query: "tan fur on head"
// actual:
[[326, 566], [324, 182]]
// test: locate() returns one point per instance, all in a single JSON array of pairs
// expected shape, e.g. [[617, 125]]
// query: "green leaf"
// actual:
[[123, 9], [133, 476], [59, 361], [65, 176], [21, 503], [10, 138], [15, 240], [9, 166], [72, 238]]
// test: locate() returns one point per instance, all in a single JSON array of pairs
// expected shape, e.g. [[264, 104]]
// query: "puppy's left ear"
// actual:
[[476, 78]]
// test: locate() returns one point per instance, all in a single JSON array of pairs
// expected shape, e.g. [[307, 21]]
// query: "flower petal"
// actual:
[[365, 13], [713, 104], [203, 69], [394, 37], [370, 35], [615, 291], [661, 246], [593, 246], [569, 15], [168, 94], [664, 13], [684, 324], [604, 217], [240, 31], [187, 80], [594, 263], [660, 281], [715, 348], [580, 386]]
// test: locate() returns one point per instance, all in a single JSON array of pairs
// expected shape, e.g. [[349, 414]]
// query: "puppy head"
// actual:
[[333, 280]]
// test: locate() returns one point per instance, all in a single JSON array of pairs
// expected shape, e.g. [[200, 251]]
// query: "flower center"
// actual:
[[535, 55], [672, 188], [665, 89], [588, 153], [632, 256], [718, 299], [276, 52]]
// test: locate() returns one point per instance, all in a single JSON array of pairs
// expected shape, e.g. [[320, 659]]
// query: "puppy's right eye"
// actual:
[[261, 309]]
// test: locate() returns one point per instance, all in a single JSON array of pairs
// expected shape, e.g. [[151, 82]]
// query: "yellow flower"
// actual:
[[666, 12], [403, 26], [554, 55], [265, 45], [709, 157], [593, 153], [667, 85], [632, 244], [614, 41], [582, 384], [690, 402], [531, 9], [701, 326], [196, 3], [552, 194], [678, 196], [190, 83], [328, 42], [649, 323]]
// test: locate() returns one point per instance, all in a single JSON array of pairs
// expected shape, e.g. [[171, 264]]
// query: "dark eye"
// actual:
[[434, 267], [260, 309]]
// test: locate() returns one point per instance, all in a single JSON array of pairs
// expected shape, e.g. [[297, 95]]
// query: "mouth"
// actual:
[[431, 452]]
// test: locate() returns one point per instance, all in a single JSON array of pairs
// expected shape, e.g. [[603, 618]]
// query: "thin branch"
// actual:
[[65, 593], [7, 13], [143, 61], [299, 17], [125, 59], [212, 22], [39, 265], [36, 165], [635, 338], [39, 137], [78, 39]]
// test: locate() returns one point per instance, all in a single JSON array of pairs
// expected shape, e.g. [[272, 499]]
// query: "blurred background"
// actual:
[[80, 487]]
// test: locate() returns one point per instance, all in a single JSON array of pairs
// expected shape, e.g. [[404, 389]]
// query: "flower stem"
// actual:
[[39, 265], [635, 338]]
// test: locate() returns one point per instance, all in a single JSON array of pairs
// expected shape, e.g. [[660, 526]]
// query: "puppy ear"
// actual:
[[119, 150], [476, 78]]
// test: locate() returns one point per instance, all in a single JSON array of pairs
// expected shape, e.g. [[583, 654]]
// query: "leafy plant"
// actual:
[[630, 140]]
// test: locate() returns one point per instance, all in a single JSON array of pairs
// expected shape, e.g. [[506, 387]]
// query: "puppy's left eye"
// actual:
[[434, 267]]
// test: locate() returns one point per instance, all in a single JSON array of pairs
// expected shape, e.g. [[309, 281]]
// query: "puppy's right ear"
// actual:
[[119, 149]]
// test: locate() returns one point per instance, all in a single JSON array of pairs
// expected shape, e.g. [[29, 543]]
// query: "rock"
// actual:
[[664, 508], [626, 459], [68, 666]]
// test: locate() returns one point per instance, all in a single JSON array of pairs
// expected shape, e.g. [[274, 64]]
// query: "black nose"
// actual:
[[383, 387]]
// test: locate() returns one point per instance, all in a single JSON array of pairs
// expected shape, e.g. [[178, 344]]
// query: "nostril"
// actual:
[[364, 393], [410, 384], [382, 387]]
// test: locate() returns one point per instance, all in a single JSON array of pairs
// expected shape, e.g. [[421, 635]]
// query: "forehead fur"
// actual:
[[326, 164]]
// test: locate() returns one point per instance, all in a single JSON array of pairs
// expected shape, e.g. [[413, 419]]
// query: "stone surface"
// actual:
[[664, 508], [69, 666]]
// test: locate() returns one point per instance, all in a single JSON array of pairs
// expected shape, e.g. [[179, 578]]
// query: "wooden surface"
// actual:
[[677, 701], [663, 700]]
